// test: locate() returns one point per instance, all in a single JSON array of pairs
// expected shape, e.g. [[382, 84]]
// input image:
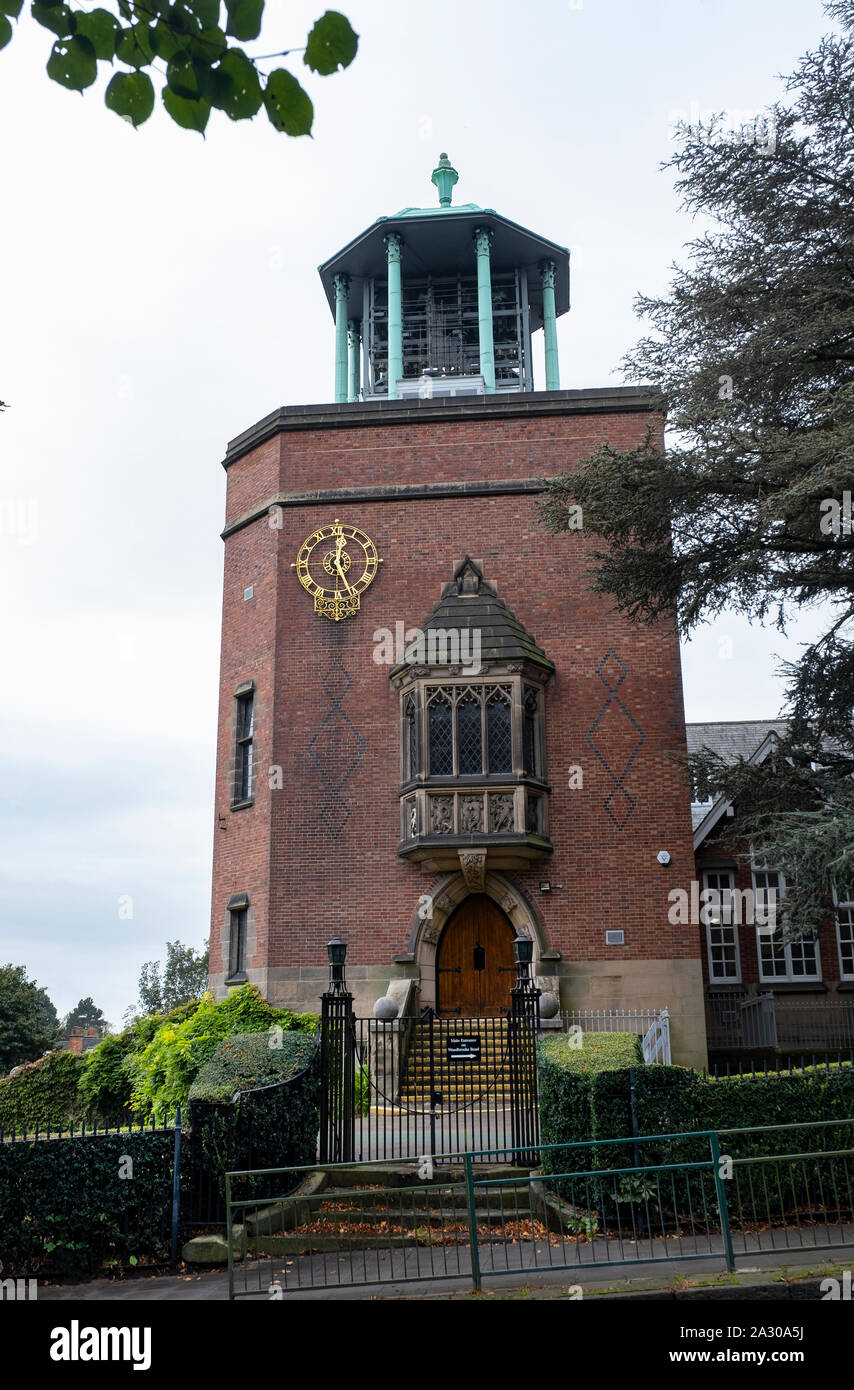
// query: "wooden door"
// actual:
[[475, 964]]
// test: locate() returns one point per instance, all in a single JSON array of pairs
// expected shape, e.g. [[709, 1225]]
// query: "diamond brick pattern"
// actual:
[[336, 749], [616, 738]]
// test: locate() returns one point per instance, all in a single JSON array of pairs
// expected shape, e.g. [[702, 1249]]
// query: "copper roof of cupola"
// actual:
[[470, 602]]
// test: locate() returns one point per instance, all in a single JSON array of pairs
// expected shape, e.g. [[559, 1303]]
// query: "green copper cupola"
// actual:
[[443, 301]]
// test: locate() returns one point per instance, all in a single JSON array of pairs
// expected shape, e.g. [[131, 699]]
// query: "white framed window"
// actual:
[[792, 962], [721, 928], [843, 902]]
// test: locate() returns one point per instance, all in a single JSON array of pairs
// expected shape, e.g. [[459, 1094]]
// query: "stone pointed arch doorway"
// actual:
[[475, 967]]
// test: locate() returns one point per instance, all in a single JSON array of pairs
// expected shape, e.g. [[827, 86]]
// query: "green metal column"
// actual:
[[355, 364], [342, 286], [482, 239], [395, 314], [547, 275]]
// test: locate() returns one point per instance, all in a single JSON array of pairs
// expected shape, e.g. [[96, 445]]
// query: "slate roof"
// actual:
[[730, 740], [469, 601]]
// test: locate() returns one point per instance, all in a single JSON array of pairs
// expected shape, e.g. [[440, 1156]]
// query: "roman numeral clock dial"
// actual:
[[335, 564]]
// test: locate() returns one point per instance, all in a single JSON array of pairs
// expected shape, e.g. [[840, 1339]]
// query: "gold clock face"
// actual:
[[335, 564]]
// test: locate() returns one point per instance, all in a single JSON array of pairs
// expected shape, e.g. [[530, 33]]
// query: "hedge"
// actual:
[[68, 1209], [145, 1071], [43, 1095], [583, 1090], [584, 1097]]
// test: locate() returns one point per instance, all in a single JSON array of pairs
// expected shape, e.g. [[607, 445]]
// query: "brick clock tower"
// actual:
[[432, 736]]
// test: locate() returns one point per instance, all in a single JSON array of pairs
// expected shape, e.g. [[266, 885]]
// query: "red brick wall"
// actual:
[[305, 884]]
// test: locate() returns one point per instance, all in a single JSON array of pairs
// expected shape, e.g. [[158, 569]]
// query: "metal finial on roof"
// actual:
[[445, 176]]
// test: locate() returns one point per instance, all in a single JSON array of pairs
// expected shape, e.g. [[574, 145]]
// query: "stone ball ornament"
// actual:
[[385, 1008], [549, 1005]]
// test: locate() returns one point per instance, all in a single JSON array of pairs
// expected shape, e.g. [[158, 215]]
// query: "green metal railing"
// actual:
[[646, 1199], [647, 1213]]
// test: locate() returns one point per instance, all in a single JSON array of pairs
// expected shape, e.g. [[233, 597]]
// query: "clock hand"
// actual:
[[340, 569]]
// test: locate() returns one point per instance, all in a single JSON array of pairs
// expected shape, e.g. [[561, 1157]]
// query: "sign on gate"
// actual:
[[463, 1049]]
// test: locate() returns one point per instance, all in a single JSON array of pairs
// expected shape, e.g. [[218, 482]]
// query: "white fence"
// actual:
[[652, 1026]]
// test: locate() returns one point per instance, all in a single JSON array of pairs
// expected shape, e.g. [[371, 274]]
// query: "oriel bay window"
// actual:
[[472, 764], [473, 791]]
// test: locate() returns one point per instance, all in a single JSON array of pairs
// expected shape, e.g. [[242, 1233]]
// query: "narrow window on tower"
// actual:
[[244, 781], [237, 942]]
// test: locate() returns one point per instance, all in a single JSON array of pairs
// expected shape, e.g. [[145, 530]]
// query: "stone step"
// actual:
[[403, 1173]]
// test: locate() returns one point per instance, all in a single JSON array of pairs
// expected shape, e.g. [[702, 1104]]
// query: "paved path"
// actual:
[[752, 1274]]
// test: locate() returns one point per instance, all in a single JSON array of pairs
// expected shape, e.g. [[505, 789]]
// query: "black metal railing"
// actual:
[[739, 1022]]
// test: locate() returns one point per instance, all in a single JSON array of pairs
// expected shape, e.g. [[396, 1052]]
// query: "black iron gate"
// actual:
[[428, 1087], [432, 1086]]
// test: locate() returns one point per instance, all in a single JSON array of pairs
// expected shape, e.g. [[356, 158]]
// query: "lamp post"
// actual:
[[523, 950], [524, 1029], [337, 1062], [336, 950]]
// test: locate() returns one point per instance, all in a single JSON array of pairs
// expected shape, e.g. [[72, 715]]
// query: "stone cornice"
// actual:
[[608, 400], [393, 492]]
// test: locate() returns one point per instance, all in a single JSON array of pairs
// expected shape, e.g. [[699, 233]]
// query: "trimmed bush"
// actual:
[[584, 1097], [583, 1091], [247, 1061], [43, 1095], [272, 1121]]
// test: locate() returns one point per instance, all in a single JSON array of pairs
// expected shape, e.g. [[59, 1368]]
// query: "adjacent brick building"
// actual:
[[763, 993]]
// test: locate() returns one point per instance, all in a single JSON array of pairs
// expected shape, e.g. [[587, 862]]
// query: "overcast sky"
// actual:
[[160, 294]]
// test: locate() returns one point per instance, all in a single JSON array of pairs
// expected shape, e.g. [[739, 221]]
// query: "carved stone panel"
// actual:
[[473, 866], [500, 813], [471, 813], [441, 815]]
